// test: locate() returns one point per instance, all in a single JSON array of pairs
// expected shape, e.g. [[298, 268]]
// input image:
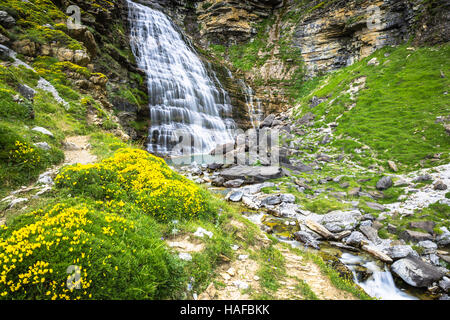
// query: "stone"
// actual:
[[392, 165], [384, 183], [443, 239], [185, 256], [427, 225], [344, 185], [252, 174], [218, 182], [307, 239], [338, 221], [375, 206], [26, 91], [287, 198], [445, 284], [439, 185], [271, 200], [45, 178], [354, 192], [318, 228], [241, 285], [268, 121], [343, 246], [308, 117], [356, 239], [200, 233], [370, 233], [377, 253], [43, 145], [233, 183], [414, 236], [416, 272], [428, 247], [423, 178], [6, 20], [17, 201], [373, 62], [400, 251], [43, 131], [214, 166]]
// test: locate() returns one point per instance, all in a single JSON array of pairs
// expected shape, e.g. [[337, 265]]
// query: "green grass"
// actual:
[[395, 114]]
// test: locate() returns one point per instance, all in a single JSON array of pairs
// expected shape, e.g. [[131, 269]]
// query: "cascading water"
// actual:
[[253, 105], [184, 100]]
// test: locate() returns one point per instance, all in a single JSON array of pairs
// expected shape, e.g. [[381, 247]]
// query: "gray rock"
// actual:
[[26, 91], [43, 145], [233, 183], [416, 272], [370, 233], [338, 221], [354, 192], [268, 121], [400, 252], [356, 239], [43, 131], [6, 20], [445, 284], [214, 166], [414, 236], [252, 174], [428, 226], [306, 118], [218, 182], [272, 200], [235, 196], [423, 178], [307, 239], [375, 206], [440, 186], [288, 198], [17, 201], [443, 239], [429, 247], [45, 178], [384, 183]]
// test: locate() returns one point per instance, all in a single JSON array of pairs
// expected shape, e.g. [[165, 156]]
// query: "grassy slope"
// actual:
[[396, 112]]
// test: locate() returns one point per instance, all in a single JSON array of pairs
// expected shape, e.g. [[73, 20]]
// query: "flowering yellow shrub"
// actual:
[[137, 177], [24, 155]]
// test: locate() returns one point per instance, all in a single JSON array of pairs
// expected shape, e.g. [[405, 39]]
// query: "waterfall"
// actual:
[[254, 105], [183, 99]]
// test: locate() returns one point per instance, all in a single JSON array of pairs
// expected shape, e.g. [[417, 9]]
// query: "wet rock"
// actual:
[[377, 253], [43, 131], [233, 183], [440, 186], [356, 238], [384, 183], [428, 247], [416, 272], [343, 246], [318, 228], [235, 196], [414, 236], [400, 251], [307, 239], [428, 226]]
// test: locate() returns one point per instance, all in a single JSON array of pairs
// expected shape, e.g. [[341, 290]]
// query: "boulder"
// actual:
[[43, 131], [428, 247], [440, 186], [428, 226], [307, 239], [6, 20], [235, 196], [318, 228], [268, 121], [356, 238], [370, 233], [377, 253], [400, 252], [414, 236], [271, 200], [384, 183], [233, 183], [338, 221], [416, 272], [445, 284], [26, 91], [43, 146], [252, 174], [218, 182]]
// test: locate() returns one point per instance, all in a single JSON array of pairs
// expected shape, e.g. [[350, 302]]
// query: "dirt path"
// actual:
[[76, 150]]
